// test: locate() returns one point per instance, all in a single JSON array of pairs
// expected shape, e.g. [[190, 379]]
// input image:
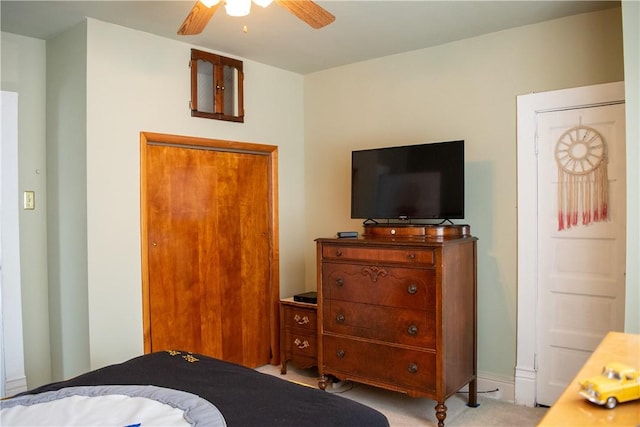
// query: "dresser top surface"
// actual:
[[397, 241]]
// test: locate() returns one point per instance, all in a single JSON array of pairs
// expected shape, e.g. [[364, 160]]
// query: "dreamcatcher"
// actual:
[[581, 154]]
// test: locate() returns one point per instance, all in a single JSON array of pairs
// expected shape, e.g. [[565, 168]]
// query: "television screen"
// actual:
[[423, 181]]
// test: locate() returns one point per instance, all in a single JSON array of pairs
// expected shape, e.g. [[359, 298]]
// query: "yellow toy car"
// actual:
[[616, 384]]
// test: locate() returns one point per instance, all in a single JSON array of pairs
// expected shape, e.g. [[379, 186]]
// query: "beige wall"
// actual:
[[463, 90], [631, 30], [67, 201], [95, 294], [146, 88], [24, 72]]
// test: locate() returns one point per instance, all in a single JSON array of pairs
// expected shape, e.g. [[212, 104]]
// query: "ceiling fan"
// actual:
[[203, 10]]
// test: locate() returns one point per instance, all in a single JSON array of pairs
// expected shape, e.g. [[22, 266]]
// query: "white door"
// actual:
[[581, 281]]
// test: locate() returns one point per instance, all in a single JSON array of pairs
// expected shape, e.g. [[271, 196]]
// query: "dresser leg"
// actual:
[[283, 369], [473, 394], [441, 413], [323, 382]]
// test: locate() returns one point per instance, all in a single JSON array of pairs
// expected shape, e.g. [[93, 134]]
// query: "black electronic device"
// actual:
[[345, 234], [308, 297], [424, 181]]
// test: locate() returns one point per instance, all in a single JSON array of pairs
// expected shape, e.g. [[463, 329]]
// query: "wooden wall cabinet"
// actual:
[[399, 314], [217, 88]]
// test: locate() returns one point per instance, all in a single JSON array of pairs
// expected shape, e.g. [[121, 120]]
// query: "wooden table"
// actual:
[[571, 409]]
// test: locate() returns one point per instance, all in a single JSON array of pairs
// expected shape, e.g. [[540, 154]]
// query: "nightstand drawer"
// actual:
[[297, 342], [298, 317]]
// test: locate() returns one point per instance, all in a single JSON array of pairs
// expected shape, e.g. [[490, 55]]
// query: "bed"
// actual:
[[182, 388]]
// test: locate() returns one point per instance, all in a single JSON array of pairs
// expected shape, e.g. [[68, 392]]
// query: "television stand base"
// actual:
[[417, 230]]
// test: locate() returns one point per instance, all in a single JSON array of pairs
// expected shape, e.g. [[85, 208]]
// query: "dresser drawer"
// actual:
[[399, 367], [393, 325], [371, 284], [297, 342], [300, 318], [377, 254]]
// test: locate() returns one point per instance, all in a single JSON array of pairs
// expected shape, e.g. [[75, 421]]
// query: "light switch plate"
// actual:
[[29, 200]]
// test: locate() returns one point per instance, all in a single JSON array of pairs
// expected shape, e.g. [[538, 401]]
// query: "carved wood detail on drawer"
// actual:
[[401, 367], [393, 325], [373, 254], [389, 286]]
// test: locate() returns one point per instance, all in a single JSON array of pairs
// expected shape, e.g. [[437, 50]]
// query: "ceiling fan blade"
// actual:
[[308, 11], [197, 19]]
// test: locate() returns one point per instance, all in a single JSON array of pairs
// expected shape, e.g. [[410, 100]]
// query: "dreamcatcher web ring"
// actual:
[[580, 150]]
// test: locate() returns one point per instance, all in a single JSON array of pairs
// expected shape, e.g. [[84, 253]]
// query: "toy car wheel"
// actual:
[[611, 402]]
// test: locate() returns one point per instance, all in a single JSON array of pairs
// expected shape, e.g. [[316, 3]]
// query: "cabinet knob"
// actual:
[[339, 282], [412, 330], [412, 289], [412, 368], [338, 253], [340, 318], [411, 256], [340, 353]]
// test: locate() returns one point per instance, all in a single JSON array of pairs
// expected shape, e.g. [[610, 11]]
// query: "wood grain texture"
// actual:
[[210, 250], [308, 11], [399, 313], [197, 19]]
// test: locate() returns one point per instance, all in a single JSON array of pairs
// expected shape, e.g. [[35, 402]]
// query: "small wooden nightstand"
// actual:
[[298, 334]]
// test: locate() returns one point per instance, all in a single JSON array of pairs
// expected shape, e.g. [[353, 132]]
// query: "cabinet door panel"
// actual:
[[208, 248]]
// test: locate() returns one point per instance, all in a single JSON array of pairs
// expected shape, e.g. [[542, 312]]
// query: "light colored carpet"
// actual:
[[404, 411]]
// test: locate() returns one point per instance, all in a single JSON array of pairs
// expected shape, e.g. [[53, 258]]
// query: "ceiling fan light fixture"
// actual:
[[238, 7], [263, 3], [209, 3]]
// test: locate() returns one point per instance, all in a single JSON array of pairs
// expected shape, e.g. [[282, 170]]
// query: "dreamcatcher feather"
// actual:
[[583, 185]]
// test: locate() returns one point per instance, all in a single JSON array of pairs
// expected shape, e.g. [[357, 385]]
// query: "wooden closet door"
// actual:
[[209, 252]]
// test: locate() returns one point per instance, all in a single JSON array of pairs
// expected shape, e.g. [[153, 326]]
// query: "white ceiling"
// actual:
[[362, 29]]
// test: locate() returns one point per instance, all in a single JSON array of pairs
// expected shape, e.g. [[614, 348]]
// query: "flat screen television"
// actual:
[[424, 181]]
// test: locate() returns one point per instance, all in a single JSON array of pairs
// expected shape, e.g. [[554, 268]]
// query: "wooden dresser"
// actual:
[[399, 313], [298, 334]]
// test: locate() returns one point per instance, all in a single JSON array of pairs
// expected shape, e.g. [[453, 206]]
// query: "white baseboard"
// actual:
[[498, 388], [14, 386], [526, 386]]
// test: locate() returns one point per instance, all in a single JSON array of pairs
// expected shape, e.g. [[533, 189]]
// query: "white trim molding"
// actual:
[[495, 387]]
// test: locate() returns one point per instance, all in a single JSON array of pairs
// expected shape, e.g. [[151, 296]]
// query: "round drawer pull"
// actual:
[[340, 353], [411, 256], [412, 368], [340, 318], [338, 253], [339, 282], [412, 289], [412, 330]]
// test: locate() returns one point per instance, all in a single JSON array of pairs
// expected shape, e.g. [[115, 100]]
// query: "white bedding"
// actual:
[[111, 406]]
